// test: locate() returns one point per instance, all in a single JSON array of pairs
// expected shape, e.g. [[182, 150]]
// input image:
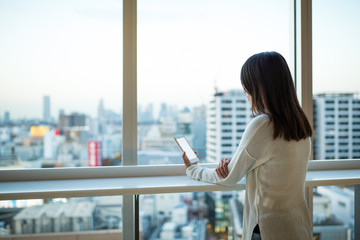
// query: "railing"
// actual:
[[135, 180]]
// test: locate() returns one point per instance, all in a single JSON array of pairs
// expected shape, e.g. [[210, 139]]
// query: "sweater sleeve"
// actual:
[[241, 163]]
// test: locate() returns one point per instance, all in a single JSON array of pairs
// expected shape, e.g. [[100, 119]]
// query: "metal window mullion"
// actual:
[[303, 69], [303, 55], [129, 85], [306, 58], [129, 127], [357, 212]]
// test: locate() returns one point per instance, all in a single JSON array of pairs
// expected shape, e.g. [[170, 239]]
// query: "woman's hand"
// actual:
[[222, 169], [187, 161]]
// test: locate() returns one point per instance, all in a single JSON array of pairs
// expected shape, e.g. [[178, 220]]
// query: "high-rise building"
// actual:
[[184, 122], [227, 116], [7, 117], [199, 130], [163, 111], [337, 126], [146, 115], [66, 122], [46, 109], [101, 111], [101, 121]]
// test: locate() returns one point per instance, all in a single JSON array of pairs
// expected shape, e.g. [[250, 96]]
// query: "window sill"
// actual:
[[134, 180]]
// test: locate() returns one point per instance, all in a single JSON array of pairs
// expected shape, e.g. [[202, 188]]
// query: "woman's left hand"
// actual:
[[222, 169], [187, 161]]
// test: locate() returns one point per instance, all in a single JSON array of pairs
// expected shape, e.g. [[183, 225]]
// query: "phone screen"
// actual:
[[185, 146]]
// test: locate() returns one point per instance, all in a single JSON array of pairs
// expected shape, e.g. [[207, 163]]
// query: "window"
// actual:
[[61, 104], [226, 138], [61, 83], [226, 145], [334, 204], [182, 47], [226, 152], [166, 32], [329, 137], [178, 47], [327, 89]]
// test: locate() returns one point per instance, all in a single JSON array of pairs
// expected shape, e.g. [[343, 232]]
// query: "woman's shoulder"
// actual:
[[258, 126], [259, 121], [258, 133]]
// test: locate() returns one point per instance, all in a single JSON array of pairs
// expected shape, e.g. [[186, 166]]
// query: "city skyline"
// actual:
[[156, 108], [75, 56]]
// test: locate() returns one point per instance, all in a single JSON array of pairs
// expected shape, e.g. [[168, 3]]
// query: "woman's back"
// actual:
[[275, 187]]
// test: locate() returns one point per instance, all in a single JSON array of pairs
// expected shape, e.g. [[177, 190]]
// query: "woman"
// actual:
[[273, 152]]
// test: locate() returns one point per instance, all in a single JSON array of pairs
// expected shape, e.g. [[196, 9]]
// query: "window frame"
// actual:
[[300, 64]]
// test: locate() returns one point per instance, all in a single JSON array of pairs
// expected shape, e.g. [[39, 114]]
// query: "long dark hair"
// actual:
[[267, 79]]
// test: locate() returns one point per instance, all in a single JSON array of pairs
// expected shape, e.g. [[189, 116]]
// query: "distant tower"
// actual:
[[101, 117], [46, 109], [101, 110], [7, 117], [163, 111]]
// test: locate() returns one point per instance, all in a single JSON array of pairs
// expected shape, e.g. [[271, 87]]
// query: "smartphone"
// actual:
[[185, 147]]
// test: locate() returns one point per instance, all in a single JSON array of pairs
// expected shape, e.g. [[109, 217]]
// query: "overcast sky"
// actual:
[[71, 50]]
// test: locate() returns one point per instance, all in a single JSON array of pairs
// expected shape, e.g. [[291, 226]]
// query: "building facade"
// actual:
[[227, 116], [337, 126]]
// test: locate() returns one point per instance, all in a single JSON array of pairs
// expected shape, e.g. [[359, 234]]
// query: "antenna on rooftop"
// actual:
[[215, 87]]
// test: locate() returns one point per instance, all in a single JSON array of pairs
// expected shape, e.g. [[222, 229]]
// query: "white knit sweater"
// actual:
[[275, 182]]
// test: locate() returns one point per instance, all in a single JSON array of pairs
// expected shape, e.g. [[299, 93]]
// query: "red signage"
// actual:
[[57, 132], [94, 153]]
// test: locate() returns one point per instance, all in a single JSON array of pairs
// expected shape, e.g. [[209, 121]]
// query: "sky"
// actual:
[[71, 50]]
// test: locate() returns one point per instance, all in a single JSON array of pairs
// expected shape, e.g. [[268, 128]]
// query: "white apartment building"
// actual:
[[227, 116], [337, 126]]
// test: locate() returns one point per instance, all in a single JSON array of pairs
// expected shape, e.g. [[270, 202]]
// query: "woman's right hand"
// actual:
[[222, 169]]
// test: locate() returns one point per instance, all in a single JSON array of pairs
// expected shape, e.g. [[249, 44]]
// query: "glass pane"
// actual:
[[203, 215], [333, 212], [63, 218], [61, 83], [336, 85], [189, 58]]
